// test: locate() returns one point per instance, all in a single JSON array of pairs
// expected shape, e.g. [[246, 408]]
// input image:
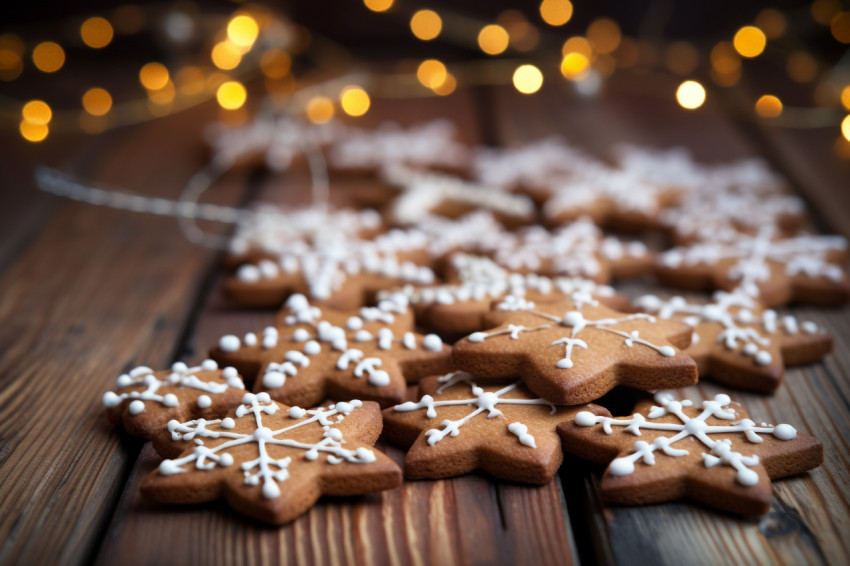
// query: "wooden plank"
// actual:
[[95, 292], [809, 512], [467, 520]]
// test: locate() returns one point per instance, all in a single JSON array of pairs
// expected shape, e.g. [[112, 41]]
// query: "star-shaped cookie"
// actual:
[[576, 350], [458, 427], [272, 462], [669, 450], [736, 342], [314, 354]]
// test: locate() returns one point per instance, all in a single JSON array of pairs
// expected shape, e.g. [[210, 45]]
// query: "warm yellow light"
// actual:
[[37, 112], [725, 59], [275, 63], [449, 85], [96, 32], [605, 35], [528, 79], [215, 80], [320, 109], [682, 58], [190, 80], [431, 73], [575, 66], [577, 44], [556, 12], [842, 147], [97, 101], [13, 43], [153, 76], [164, 95], [33, 132], [426, 24], [772, 22], [627, 53], [226, 55], [354, 101], [824, 10], [243, 30], [802, 67], [690, 95], [11, 65], [48, 56], [845, 97], [768, 106], [845, 127], [493, 39], [749, 41], [378, 5], [231, 95], [840, 27]]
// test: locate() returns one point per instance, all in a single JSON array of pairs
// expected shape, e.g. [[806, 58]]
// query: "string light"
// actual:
[[845, 127], [690, 95], [577, 44], [802, 67], [749, 41], [231, 95], [556, 12], [426, 24], [768, 106], [96, 32], [527, 79], [243, 30], [431, 73], [575, 66], [190, 80], [845, 97], [320, 110], [378, 5], [447, 87], [604, 34], [824, 10], [33, 132], [354, 101], [37, 112], [153, 76], [226, 55], [725, 64], [493, 39], [48, 56], [840, 27], [682, 58], [772, 22], [11, 56], [275, 63], [97, 101]]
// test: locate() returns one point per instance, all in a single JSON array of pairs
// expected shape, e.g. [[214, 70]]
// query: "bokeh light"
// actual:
[[749, 41], [37, 112], [431, 73], [523, 35], [33, 132], [690, 95], [824, 10], [493, 39], [725, 64], [11, 56], [845, 127], [354, 100], [527, 79], [768, 106], [97, 101], [231, 95], [320, 109], [190, 80], [226, 55], [802, 67], [604, 34], [448, 86], [556, 12], [575, 66], [153, 76], [840, 27], [164, 95], [128, 19], [96, 32], [577, 44], [378, 5], [48, 56], [772, 22], [243, 30], [845, 97], [275, 63], [682, 58], [426, 24]]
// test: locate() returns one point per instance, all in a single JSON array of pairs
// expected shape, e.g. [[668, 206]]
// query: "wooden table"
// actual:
[[87, 292]]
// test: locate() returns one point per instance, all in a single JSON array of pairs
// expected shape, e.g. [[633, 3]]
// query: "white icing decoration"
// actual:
[[265, 469], [229, 343], [483, 401], [719, 451], [180, 376]]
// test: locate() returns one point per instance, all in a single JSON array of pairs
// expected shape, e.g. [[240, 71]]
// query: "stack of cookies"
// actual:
[[470, 319]]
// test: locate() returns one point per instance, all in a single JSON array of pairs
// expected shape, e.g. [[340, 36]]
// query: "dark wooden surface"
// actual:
[[86, 293]]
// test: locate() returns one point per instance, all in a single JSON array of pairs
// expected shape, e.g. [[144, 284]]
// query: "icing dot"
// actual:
[[362, 336], [621, 467], [784, 432], [763, 358], [667, 351], [810, 327], [136, 407], [179, 367], [750, 349], [354, 323], [274, 379], [204, 401], [123, 380], [585, 418], [477, 337], [229, 343], [297, 412], [747, 477], [312, 348], [379, 378], [564, 364], [227, 423], [250, 339], [270, 490], [209, 365], [229, 373], [300, 335], [110, 399], [226, 459], [344, 408], [170, 400], [432, 342], [573, 318]]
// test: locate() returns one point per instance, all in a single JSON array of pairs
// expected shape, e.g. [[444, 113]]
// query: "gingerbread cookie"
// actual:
[[714, 454], [317, 354], [736, 342], [458, 427], [574, 351], [272, 462], [773, 269], [146, 400]]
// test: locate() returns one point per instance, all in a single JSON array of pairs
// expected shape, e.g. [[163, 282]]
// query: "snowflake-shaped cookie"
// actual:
[[738, 343], [576, 350], [270, 461], [773, 269], [458, 427], [316, 354], [672, 450], [145, 400]]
